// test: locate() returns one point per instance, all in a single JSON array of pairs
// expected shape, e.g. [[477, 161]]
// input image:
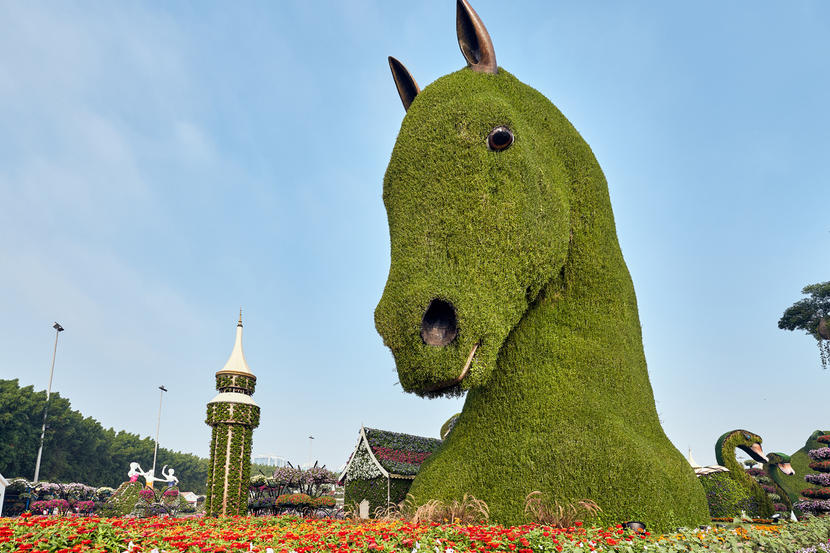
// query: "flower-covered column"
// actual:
[[233, 415]]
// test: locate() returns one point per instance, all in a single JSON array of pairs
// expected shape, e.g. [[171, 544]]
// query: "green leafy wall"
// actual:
[[374, 490], [229, 473], [727, 497]]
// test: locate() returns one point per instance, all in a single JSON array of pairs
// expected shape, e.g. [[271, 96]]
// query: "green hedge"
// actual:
[[727, 497], [374, 490], [522, 243], [123, 500]]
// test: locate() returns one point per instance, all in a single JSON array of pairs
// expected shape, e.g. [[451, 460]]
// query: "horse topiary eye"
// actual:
[[500, 139]]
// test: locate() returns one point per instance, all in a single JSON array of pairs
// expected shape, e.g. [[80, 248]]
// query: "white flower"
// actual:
[[362, 467]]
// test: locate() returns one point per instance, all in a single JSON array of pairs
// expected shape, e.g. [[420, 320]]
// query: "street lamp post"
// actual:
[[58, 329], [310, 441], [158, 427]]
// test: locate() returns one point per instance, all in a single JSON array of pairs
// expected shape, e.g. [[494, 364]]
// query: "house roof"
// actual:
[[400, 453], [190, 497], [396, 455]]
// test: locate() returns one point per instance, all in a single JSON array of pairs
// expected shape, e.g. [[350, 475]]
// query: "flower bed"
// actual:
[[817, 493], [37, 534], [819, 479]]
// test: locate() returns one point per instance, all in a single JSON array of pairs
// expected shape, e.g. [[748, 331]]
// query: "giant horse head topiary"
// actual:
[[507, 282]]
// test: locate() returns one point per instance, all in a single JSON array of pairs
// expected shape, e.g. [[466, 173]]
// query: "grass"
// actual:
[[559, 516]]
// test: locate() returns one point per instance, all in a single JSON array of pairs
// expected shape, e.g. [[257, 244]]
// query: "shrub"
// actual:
[[820, 454], [50, 505], [84, 507], [375, 489], [104, 493], [326, 502], [553, 514], [468, 510], [816, 493], [123, 500], [294, 500], [818, 479], [726, 497]]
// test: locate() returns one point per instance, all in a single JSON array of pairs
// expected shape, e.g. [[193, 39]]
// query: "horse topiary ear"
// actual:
[[474, 39], [407, 87]]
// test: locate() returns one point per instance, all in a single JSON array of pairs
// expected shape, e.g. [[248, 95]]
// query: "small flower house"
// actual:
[[383, 465]]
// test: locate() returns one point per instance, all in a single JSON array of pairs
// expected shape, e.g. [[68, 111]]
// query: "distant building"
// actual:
[[269, 460]]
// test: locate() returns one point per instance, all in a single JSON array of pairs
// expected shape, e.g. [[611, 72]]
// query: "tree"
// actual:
[[78, 448], [812, 315]]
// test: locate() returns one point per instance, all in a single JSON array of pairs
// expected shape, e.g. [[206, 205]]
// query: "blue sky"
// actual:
[[163, 164]]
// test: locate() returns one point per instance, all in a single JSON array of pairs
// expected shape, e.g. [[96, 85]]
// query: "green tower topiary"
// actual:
[[760, 505], [233, 415], [507, 281]]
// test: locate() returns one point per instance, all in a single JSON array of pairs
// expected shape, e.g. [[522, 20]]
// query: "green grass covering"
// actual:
[[123, 500], [374, 490], [522, 243]]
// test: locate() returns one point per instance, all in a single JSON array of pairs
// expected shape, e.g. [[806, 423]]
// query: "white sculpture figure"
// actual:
[[149, 476], [169, 477], [135, 472]]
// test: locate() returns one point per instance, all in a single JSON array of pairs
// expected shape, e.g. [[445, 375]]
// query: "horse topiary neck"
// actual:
[[569, 411]]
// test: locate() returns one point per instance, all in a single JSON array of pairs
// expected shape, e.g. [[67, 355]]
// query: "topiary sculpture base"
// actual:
[[556, 417]]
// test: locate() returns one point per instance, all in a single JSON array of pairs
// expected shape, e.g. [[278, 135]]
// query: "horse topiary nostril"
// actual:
[[439, 326]]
